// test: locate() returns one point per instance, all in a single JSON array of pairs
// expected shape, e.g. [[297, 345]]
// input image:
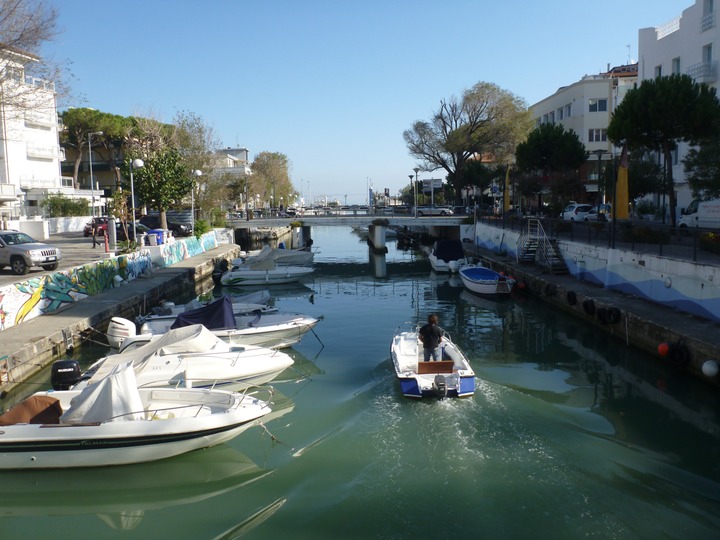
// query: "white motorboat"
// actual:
[[241, 305], [280, 256], [450, 377], [447, 256], [114, 422], [482, 280], [192, 357], [264, 273], [276, 330]]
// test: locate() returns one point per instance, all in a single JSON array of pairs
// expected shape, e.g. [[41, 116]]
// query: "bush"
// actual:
[[646, 235], [710, 241], [201, 227], [645, 207]]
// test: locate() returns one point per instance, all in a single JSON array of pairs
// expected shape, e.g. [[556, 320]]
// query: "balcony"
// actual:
[[36, 119], [703, 72], [41, 152], [707, 21], [7, 193]]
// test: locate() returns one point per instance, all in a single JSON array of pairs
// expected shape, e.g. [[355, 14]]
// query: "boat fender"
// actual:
[[601, 314], [571, 298], [550, 289], [589, 307], [678, 354], [613, 315]]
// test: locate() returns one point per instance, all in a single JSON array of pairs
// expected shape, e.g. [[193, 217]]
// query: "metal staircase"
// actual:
[[534, 246]]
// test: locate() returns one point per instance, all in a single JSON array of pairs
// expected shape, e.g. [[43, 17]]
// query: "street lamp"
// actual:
[[197, 173], [417, 170], [92, 184], [134, 164]]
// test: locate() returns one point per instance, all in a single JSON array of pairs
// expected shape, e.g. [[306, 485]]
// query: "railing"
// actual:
[[665, 29], [707, 21], [702, 71]]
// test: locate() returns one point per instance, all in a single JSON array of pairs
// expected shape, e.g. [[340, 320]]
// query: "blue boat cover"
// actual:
[[449, 250], [216, 315]]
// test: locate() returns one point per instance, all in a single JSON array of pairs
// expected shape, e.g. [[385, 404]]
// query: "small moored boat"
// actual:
[[482, 280], [114, 422], [450, 377]]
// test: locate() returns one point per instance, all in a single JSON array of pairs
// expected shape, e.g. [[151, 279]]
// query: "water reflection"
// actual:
[[121, 496]]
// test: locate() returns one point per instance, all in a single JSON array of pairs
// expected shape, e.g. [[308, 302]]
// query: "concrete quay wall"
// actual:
[[31, 346], [641, 299]]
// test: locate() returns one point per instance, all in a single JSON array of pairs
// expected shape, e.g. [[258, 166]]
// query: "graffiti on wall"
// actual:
[[45, 294]]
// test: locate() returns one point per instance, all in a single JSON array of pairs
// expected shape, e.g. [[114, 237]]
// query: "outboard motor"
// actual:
[[64, 374], [440, 385], [219, 270], [118, 330]]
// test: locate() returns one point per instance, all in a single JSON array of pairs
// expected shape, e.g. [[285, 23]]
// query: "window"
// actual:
[[597, 135], [707, 53], [560, 113], [551, 117], [598, 105], [676, 66], [568, 109], [658, 71]]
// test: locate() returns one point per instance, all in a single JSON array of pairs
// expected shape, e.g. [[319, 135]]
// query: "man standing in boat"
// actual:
[[431, 335]]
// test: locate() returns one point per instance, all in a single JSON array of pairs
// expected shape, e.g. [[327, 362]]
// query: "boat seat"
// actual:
[[443, 366], [34, 410]]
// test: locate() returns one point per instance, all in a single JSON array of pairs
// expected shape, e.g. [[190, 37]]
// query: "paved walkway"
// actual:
[[76, 251]]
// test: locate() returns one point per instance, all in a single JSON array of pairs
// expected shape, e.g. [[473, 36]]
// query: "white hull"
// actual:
[[198, 359], [277, 275], [174, 421], [482, 280], [275, 330], [452, 377]]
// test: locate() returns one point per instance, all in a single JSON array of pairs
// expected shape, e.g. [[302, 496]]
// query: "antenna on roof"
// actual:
[[629, 60]]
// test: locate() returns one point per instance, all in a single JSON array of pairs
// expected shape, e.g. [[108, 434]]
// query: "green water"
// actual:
[[571, 434]]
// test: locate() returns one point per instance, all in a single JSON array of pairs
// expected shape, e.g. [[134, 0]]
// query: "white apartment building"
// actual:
[[30, 153], [585, 107], [683, 45]]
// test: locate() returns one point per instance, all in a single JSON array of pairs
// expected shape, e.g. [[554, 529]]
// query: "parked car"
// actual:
[[600, 212], [177, 229], [120, 230], [434, 211], [575, 212], [21, 252], [101, 227]]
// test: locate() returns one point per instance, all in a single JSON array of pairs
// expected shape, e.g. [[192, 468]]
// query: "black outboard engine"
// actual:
[[222, 267], [64, 374], [440, 386]]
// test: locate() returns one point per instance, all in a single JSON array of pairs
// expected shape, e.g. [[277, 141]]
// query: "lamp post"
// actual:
[[417, 170], [92, 184], [134, 164], [197, 173]]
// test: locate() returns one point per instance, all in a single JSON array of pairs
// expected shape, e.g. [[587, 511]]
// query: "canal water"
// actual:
[[571, 434]]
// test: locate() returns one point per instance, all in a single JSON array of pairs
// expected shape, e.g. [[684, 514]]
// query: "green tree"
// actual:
[[702, 170], [485, 121], [163, 180], [660, 113], [79, 123], [271, 177], [553, 156]]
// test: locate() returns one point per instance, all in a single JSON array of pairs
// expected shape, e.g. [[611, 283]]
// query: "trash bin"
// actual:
[[152, 239], [158, 236]]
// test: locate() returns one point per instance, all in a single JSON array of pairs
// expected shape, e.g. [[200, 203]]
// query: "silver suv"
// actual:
[[21, 252]]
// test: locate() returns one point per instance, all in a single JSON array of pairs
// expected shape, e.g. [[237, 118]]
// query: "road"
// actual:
[[76, 251]]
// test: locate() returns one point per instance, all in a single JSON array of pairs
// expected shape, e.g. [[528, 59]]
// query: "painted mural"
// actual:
[[45, 294]]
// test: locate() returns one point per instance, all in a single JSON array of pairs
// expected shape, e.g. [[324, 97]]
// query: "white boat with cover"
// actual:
[[194, 357], [275, 329], [264, 273], [450, 377], [447, 256], [114, 422], [280, 256]]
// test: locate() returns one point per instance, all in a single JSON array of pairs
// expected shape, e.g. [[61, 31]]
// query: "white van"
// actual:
[[704, 214]]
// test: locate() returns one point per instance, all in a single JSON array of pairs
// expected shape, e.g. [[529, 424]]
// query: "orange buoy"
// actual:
[[663, 349]]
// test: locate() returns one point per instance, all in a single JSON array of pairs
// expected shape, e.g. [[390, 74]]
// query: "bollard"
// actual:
[[107, 242]]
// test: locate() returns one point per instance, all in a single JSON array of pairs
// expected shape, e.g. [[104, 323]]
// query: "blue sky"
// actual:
[[334, 83]]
